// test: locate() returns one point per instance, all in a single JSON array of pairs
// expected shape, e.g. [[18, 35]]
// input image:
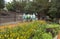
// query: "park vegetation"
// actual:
[[36, 29], [51, 9], [31, 30]]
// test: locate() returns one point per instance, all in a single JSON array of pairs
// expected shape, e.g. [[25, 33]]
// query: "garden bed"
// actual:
[[30, 30]]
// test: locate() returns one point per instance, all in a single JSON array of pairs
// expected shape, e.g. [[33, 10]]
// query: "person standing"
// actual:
[[24, 17], [28, 17], [33, 17]]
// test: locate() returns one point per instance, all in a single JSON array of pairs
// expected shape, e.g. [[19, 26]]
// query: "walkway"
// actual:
[[55, 37], [1, 24]]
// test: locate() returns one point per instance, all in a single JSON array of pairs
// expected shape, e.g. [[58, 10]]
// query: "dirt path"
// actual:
[[58, 36], [1, 24], [9, 24], [55, 37]]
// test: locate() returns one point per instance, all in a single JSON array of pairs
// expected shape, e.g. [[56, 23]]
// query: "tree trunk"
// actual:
[[38, 16]]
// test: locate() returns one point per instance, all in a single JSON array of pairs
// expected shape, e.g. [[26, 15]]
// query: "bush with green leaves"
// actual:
[[33, 30]]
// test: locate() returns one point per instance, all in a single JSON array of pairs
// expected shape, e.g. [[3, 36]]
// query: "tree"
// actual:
[[2, 4], [10, 7], [30, 7], [16, 5], [53, 9], [58, 8], [38, 6]]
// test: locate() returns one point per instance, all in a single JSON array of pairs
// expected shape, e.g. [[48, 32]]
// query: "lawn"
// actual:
[[29, 30]]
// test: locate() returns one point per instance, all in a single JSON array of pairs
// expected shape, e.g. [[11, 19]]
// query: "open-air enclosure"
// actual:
[[29, 19]]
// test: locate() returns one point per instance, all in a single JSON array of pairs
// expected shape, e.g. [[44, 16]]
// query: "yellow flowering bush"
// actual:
[[25, 30]]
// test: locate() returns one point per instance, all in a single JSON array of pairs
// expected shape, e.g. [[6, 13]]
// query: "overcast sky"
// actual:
[[11, 0], [8, 0]]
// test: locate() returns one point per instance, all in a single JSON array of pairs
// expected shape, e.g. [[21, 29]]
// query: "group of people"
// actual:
[[29, 17]]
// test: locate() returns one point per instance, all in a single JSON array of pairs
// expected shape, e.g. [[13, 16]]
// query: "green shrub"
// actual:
[[33, 30], [46, 36]]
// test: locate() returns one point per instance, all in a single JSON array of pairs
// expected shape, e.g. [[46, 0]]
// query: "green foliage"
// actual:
[[34, 30], [46, 36], [2, 3], [37, 6], [53, 9], [9, 6], [16, 5]]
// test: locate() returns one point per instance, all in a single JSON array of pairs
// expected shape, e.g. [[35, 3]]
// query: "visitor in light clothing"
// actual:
[[24, 17], [28, 17], [33, 17]]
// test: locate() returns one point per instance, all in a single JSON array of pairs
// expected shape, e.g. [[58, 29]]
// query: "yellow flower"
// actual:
[[21, 37], [5, 35], [0, 36], [17, 37]]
